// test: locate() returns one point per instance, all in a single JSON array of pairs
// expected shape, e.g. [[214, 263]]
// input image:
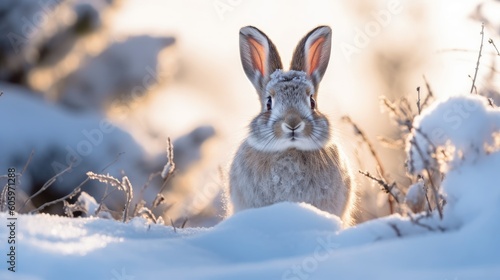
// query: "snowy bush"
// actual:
[[460, 129], [459, 139]]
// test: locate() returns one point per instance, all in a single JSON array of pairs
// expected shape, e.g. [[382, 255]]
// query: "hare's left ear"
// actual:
[[313, 53]]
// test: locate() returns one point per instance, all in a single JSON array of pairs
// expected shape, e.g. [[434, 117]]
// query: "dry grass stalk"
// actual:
[[166, 174], [478, 59], [380, 168], [46, 185]]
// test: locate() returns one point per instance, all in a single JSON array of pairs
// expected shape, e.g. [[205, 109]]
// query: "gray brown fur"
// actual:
[[289, 154]]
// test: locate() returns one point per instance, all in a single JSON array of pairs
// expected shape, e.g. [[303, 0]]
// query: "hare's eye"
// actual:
[[313, 102], [269, 103]]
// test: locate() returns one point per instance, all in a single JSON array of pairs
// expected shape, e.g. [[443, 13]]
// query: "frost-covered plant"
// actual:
[[166, 173], [462, 129], [416, 196], [124, 186], [140, 209], [452, 128], [402, 113], [88, 206]]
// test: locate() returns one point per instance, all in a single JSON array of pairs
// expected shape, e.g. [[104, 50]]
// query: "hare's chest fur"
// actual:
[[317, 177]]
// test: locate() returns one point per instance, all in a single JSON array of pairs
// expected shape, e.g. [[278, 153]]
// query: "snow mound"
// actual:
[[461, 138], [282, 241], [276, 218], [279, 230], [460, 125]]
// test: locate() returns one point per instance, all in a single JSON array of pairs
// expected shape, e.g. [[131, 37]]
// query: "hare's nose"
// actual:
[[293, 124]]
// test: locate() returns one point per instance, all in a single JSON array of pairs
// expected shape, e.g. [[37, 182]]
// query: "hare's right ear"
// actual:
[[258, 56]]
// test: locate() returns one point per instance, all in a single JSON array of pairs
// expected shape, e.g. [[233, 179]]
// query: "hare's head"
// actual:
[[289, 116]]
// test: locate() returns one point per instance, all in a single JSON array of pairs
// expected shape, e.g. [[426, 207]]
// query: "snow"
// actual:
[[415, 197], [463, 124], [115, 74], [467, 128], [295, 240], [60, 137], [282, 241]]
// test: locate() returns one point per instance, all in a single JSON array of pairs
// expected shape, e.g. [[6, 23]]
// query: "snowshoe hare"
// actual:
[[288, 154]]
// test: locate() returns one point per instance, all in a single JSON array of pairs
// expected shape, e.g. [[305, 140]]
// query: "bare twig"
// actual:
[[396, 229], [491, 102], [20, 174], [418, 101], [113, 162], [27, 163], [478, 59], [172, 223], [373, 152], [104, 197], [75, 190], [70, 195], [145, 186], [385, 186], [426, 166], [473, 86], [106, 194], [429, 93], [184, 223], [3, 194], [401, 113], [46, 185], [367, 141], [426, 193], [418, 223], [493, 43]]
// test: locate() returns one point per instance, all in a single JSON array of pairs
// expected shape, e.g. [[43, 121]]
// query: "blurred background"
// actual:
[[89, 83]]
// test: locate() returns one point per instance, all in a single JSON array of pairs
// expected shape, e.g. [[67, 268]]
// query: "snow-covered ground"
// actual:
[[283, 241], [297, 241]]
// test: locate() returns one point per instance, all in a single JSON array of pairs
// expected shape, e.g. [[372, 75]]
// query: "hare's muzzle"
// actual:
[[293, 123]]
